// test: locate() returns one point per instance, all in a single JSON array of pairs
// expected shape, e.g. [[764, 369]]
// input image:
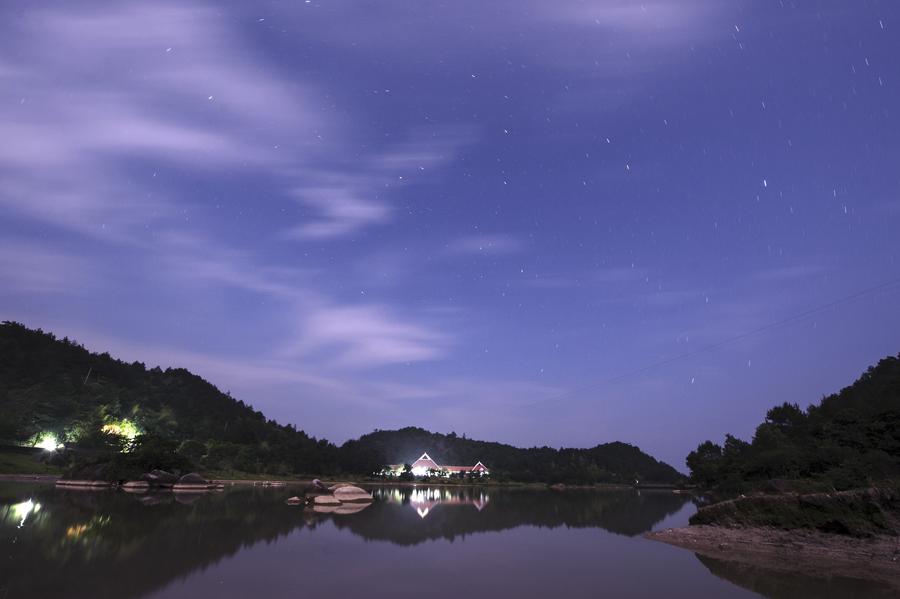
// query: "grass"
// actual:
[[859, 513], [17, 463], [239, 475]]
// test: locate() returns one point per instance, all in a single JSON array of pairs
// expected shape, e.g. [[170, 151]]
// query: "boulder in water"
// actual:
[[160, 478], [323, 500], [136, 486], [192, 478], [325, 509], [294, 501], [316, 487], [350, 508], [351, 494]]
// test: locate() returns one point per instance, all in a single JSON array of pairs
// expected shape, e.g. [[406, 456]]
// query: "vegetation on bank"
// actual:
[[859, 512], [19, 463], [103, 418], [848, 440]]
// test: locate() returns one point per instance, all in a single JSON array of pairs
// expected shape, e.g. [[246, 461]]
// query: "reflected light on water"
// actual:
[[21, 511], [69, 544], [424, 499]]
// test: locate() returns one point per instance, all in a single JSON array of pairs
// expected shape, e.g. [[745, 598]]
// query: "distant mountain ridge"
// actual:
[[51, 386], [614, 462]]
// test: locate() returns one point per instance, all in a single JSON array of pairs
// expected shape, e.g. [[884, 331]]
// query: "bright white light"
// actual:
[[21, 511], [48, 442]]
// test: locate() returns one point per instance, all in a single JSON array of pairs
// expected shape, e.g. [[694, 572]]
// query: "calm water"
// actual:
[[412, 542]]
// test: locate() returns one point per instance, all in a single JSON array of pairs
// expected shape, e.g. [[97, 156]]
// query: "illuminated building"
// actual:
[[425, 466]]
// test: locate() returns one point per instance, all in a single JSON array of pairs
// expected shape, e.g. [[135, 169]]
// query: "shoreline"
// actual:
[[260, 482], [806, 552], [29, 478]]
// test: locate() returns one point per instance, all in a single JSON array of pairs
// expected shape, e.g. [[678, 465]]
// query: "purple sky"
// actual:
[[471, 216]]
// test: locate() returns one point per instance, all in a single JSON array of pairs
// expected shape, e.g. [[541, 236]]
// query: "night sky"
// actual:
[[527, 221]]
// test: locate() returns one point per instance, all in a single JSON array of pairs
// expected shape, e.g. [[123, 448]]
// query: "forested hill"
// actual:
[[848, 439], [610, 462], [55, 386]]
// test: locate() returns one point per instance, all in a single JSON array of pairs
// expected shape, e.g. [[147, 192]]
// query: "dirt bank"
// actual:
[[809, 552]]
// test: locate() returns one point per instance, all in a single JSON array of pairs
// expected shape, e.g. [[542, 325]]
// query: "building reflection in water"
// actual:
[[425, 499]]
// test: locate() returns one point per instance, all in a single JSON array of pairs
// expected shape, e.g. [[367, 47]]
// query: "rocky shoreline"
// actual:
[[810, 552], [850, 534]]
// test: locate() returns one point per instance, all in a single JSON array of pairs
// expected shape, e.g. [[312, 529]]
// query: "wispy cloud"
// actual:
[[181, 88], [345, 201], [340, 204], [332, 334], [365, 336]]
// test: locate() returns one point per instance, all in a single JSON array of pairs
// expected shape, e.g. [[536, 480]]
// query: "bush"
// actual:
[[192, 450]]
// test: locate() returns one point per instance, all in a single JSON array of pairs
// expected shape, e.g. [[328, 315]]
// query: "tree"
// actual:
[[193, 450], [705, 462]]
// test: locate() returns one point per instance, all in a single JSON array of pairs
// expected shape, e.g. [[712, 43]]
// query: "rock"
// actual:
[[351, 494], [192, 478], [325, 509], [136, 486], [294, 500], [187, 498], [191, 488], [156, 498], [350, 508], [558, 487], [194, 483], [324, 500], [82, 484], [160, 478], [316, 487], [337, 486]]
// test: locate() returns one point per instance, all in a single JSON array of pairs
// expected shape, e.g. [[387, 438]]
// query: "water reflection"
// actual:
[[789, 585], [412, 515], [112, 544], [425, 499], [104, 544], [19, 512]]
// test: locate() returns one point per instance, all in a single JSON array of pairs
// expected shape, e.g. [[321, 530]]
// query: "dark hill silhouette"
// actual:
[[610, 462], [849, 439], [56, 386]]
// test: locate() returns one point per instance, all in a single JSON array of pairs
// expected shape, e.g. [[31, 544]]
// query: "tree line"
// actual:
[[55, 388], [848, 439]]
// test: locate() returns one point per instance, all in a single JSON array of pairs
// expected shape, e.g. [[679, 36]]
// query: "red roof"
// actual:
[[427, 463]]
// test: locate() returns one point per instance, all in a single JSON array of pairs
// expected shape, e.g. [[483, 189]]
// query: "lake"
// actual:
[[411, 542]]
